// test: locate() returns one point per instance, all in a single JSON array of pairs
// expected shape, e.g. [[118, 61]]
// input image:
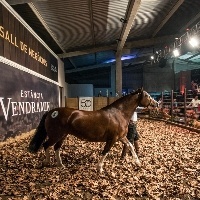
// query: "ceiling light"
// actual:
[[194, 42], [152, 57], [176, 52]]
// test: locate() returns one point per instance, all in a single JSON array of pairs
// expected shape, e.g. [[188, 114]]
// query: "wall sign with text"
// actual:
[[19, 45], [86, 103], [24, 98]]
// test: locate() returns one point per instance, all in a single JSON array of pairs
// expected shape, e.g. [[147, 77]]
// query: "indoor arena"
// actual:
[[99, 100]]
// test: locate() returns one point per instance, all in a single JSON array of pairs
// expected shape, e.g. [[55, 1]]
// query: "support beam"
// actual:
[[151, 42], [87, 51], [72, 63], [172, 11], [130, 16], [15, 2], [191, 22], [91, 21], [118, 81], [129, 45], [33, 8]]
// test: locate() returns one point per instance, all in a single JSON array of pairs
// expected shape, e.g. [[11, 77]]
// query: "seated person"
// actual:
[[195, 103]]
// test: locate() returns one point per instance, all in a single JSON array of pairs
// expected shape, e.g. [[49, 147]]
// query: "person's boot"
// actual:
[[125, 148], [136, 144]]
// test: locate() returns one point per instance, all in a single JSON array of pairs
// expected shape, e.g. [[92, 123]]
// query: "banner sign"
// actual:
[[20, 46], [86, 103], [24, 98]]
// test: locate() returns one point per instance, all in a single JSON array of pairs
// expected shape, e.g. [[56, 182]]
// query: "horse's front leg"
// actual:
[[100, 163], [130, 146], [107, 148]]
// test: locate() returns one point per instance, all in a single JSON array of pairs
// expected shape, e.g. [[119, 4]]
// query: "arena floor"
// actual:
[[170, 169]]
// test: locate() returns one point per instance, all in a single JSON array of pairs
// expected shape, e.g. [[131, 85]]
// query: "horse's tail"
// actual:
[[39, 137]]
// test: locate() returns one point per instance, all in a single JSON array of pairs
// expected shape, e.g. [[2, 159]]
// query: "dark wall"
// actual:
[[158, 79]]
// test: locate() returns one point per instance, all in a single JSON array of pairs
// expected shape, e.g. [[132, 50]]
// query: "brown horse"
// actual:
[[109, 124]]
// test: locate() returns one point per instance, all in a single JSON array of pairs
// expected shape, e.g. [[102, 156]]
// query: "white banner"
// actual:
[[86, 103]]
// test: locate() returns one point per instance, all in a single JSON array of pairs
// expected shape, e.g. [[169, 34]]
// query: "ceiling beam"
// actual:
[[151, 42], [36, 12], [172, 11], [15, 2], [91, 21], [130, 16], [191, 22], [129, 45], [72, 62], [87, 51]]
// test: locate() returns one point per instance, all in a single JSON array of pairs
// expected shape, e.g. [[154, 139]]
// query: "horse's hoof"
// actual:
[[138, 163], [60, 165], [100, 170], [45, 164], [122, 157]]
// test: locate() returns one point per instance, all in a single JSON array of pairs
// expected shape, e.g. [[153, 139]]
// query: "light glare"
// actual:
[[194, 42], [176, 52]]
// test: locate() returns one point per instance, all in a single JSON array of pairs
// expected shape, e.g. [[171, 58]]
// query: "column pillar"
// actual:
[[118, 76], [113, 82]]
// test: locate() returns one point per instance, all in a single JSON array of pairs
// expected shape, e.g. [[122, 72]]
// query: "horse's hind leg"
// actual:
[[57, 152], [46, 146], [128, 144]]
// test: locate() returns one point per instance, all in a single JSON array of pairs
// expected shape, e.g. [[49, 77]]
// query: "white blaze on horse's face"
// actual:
[[147, 100]]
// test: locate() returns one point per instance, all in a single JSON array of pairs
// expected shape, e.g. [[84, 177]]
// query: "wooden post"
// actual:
[[185, 105], [172, 104], [162, 100]]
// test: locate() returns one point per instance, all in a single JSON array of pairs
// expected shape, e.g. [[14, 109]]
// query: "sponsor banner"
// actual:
[[24, 98], [86, 103], [20, 46]]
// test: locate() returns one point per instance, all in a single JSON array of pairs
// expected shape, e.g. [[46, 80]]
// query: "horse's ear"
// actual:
[[140, 90]]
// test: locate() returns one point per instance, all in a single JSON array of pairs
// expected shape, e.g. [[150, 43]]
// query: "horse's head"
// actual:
[[146, 100]]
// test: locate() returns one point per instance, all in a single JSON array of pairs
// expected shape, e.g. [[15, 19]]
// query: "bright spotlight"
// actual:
[[152, 57], [176, 52], [194, 42]]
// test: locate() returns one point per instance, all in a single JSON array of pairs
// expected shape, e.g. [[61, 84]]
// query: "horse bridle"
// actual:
[[140, 98]]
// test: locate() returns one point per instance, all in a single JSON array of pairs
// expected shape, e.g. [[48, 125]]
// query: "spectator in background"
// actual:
[[194, 103], [194, 87], [175, 104], [160, 103], [100, 95]]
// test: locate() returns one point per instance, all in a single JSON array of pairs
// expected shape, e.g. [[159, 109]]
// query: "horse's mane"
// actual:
[[123, 99]]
